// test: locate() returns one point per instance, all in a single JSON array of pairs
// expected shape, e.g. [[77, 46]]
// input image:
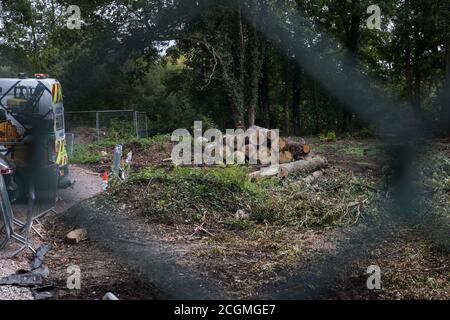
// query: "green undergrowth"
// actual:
[[85, 154], [89, 154], [435, 174], [187, 195]]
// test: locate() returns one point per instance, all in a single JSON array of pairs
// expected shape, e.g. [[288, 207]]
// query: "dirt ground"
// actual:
[[139, 259], [87, 184], [413, 265], [276, 263]]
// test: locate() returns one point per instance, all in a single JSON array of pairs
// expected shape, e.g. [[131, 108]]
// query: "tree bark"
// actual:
[[296, 100], [53, 22], [36, 55], [417, 87], [447, 76], [233, 77], [317, 118], [239, 70], [408, 54], [298, 149], [287, 97], [409, 76], [352, 37], [303, 166], [417, 73], [254, 61], [264, 94]]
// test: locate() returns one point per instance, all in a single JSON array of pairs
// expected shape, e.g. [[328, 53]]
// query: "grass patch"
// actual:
[[91, 153], [328, 136], [84, 154], [139, 142], [362, 150], [355, 151]]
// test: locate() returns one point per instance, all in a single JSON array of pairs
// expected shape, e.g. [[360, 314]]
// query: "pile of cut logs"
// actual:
[[257, 148]]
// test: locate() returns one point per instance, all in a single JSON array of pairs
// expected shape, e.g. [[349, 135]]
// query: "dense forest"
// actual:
[[223, 62]]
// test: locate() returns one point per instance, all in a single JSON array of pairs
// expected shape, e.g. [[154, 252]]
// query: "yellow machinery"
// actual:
[[8, 132], [32, 128]]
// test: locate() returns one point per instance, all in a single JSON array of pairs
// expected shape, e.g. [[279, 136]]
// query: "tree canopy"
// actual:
[[224, 62]]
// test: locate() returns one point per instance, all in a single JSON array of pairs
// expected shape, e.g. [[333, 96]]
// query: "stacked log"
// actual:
[[256, 147], [289, 150], [306, 166]]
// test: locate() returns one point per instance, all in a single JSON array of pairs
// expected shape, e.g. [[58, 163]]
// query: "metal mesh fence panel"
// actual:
[[78, 120], [141, 124], [116, 124], [108, 124]]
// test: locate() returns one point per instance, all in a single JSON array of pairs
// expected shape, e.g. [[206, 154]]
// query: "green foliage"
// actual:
[[120, 129], [364, 133], [232, 178], [328, 137], [187, 195], [91, 153], [220, 65], [85, 154]]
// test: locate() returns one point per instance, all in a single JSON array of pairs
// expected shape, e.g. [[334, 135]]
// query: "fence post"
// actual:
[[97, 125], [70, 137], [136, 123], [146, 125], [117, 158]]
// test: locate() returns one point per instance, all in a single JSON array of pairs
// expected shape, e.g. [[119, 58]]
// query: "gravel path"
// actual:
[[87, 184], [8, 267]]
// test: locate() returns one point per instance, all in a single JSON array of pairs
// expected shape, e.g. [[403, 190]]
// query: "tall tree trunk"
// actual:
[[287, 97], [236, 112], [317, 113], [254, 61], [296, 100], [253, 99], [53, 22], [409, 76], [264, 96], [417, 87], [353, 33], [236, 88], [417, 73], [37, 61], [447, 76], [408, 55], [352, 36]]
